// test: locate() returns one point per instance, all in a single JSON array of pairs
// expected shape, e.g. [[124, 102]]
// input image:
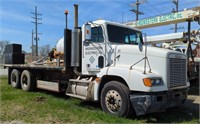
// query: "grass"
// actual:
[[47, 107]]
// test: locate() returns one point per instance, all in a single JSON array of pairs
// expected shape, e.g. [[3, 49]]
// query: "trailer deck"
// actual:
[[32, 66]]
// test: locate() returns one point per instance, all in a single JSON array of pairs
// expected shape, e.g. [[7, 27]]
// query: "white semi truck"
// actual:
[[105, 62]]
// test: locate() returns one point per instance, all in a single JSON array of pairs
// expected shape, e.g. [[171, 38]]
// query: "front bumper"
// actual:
[[157, 102]]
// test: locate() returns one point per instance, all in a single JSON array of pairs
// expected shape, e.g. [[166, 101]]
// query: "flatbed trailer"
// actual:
[[56, 76]]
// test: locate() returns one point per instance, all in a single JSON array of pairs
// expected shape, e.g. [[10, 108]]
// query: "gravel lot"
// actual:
[[193, 100]]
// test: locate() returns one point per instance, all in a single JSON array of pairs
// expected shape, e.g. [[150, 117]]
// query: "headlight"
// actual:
[[158, 81], [149, 82]]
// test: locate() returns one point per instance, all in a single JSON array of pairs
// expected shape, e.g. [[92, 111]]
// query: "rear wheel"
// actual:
[[27, 81], [15, 78], [115, 99]]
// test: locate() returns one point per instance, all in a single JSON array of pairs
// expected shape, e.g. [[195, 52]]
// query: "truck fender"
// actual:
[[105, 77]]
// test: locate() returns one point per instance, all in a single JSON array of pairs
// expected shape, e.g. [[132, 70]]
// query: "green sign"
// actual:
[[158, 19]]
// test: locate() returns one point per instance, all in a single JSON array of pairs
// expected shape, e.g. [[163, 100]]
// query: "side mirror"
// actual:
[[144, 40], [140, 46], [87, 32]]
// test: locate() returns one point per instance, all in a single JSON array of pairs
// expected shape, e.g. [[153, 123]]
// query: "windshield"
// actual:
[[123, 35]]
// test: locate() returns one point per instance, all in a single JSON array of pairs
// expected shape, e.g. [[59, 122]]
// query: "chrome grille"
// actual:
[[177, 72]]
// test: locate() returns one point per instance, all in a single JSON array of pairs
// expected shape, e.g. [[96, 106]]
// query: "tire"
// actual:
[[115, 99], [15, 78], [27, 81]]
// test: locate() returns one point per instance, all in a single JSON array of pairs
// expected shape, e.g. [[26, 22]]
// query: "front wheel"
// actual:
[[115, 99]]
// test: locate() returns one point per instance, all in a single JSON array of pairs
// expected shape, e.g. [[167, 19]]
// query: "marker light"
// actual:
[[98, 79], [66, 11], [147, 82]]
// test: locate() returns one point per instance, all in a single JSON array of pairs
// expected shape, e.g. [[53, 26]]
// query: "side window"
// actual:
[[133, 39], [126, 40], [97, 34]]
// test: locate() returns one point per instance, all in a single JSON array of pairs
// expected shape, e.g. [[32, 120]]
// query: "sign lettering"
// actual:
[[158, 19]]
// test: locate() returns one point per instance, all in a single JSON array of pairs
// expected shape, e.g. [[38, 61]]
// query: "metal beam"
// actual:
[[166, 19]]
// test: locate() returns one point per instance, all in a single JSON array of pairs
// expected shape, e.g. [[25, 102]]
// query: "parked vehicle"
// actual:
[[105, 62]]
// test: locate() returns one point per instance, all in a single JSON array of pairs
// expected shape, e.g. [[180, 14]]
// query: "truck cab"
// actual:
[[115, 54], [101, 50]]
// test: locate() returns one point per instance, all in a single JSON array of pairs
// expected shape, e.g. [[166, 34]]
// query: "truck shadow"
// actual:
[[186, 112], [194, 87], [90, 105], [55, 94]]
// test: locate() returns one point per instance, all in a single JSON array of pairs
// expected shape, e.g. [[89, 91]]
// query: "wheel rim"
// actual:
[[24, 81], [14, 79], [113, 101]]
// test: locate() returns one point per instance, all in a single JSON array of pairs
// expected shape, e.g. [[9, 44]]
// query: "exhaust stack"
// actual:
[[76, 40], [75, 15], [67, 44]]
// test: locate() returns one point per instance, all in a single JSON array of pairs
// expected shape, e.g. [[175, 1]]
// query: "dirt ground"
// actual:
[[193, 100]]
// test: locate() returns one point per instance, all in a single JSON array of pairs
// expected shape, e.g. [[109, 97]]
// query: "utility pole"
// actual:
[[136, 11], [32, 45], [36, 22], [176, 3]]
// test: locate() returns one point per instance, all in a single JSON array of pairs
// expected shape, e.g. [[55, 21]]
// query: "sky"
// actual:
[[16, 26]]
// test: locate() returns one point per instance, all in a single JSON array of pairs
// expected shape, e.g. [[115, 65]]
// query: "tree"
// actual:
[[44, 50], [3, 45]]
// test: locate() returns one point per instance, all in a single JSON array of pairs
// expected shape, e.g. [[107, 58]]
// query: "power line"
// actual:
[[123, 13], [150, 11], [36, 22], [160, 3], [153, 12], [166, 5], [155, 8]]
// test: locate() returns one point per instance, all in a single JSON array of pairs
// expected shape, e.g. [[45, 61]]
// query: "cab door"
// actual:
[[93, 57]]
